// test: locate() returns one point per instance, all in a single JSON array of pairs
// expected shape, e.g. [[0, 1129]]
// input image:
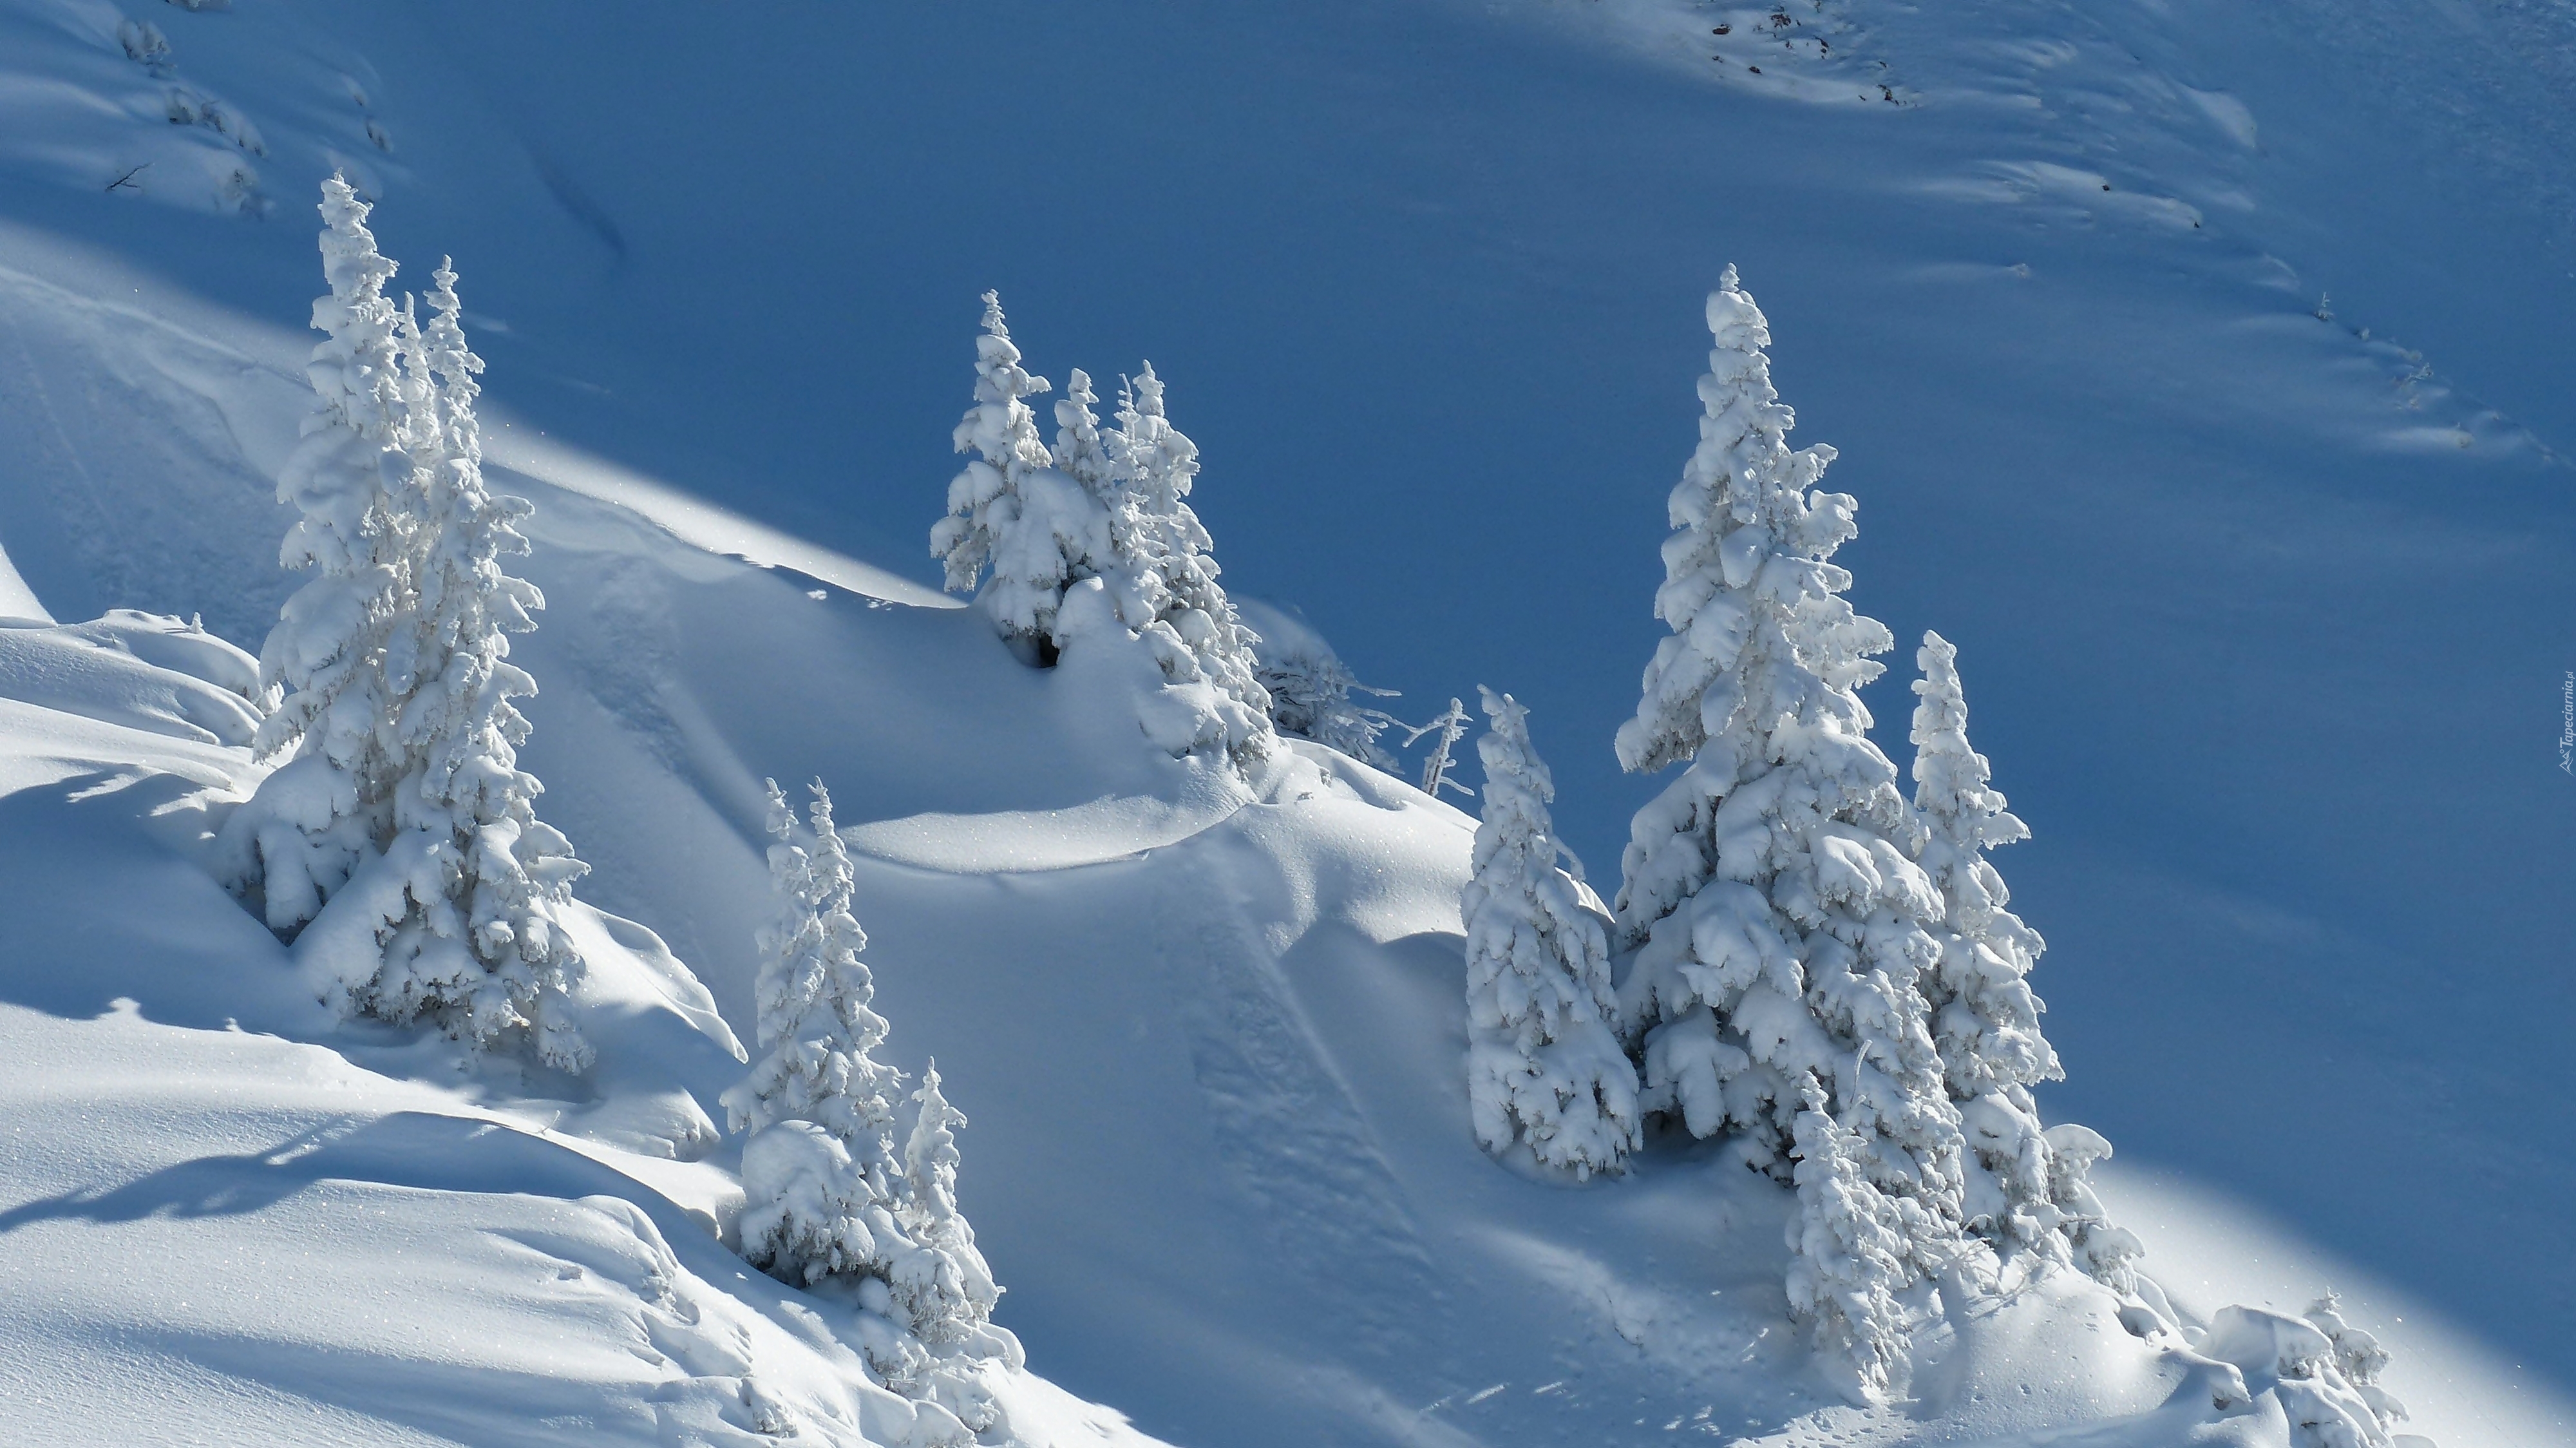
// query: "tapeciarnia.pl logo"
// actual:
[[2567, 724]]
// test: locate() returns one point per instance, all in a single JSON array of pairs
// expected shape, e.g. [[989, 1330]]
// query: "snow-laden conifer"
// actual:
[[1985, 1020], [1850, 1248], [946, 1289], [475, 938], [1081, 449], [1543, 1065], [820, 1176], [1167, 589], [329, 807], [1011, 515], [1781, 922]]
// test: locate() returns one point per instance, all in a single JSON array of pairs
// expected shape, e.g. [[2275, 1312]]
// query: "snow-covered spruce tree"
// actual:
[[1081, 451], [330, 806], [1543, 1065], [1167, 589], [1985, 1020], [945, 1288], [475, 939], [1849, 1252], [819, 1173], [1011, 515], [1781, 923]]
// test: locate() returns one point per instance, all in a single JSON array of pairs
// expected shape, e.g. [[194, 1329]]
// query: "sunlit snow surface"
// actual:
[[2262, 613]]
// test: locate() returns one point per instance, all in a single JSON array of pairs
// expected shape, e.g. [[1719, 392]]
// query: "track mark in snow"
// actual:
[[1285, 1126], [714, 1395]]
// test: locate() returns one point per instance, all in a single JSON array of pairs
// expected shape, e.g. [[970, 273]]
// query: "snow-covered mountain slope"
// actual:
[[2248, 595]]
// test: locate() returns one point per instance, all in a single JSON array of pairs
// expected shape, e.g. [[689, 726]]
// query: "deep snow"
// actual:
[[2268, 657]]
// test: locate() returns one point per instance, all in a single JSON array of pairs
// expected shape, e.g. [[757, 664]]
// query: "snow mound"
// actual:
[[139, 670]]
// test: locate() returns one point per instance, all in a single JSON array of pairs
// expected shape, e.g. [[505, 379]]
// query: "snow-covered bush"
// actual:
[[2359, 1357], [2107, 1253], [1013, 520], [1543, 1065], [145, 45], [187, 106], [2321, 1369], [1985, 1020], [1781, 923]]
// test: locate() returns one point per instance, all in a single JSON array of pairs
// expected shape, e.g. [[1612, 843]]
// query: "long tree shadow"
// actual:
[[100, 910], [417, 1149]]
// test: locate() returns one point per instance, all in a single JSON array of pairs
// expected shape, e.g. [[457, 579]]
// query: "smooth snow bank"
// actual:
[[511, 446], [140, 670]]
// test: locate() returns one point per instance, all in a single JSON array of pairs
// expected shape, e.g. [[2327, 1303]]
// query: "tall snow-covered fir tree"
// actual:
[[1782, 926], [1543, 1064], [1027, 529], [475, 939], [820, 1174], [1985, 1020], [829, 1202], [1167, 590], [329, 807], [946, 1288], [401, 837]]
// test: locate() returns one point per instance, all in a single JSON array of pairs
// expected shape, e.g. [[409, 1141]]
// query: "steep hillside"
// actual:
[[2253, 597]]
